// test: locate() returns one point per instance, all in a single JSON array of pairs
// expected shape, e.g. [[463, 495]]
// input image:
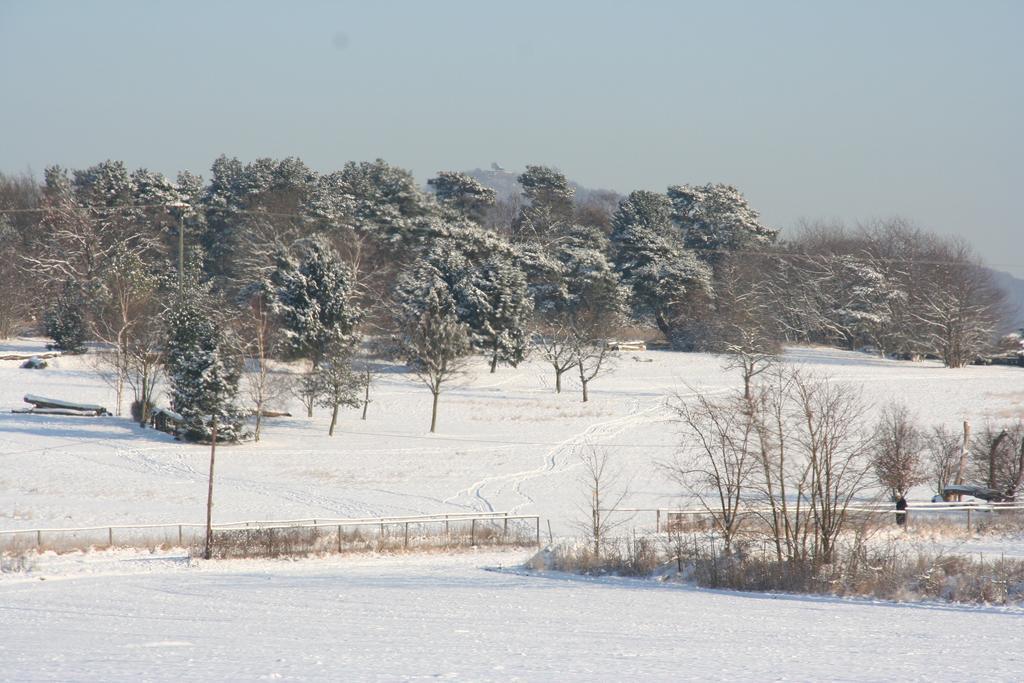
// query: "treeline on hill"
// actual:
[[206, 280]]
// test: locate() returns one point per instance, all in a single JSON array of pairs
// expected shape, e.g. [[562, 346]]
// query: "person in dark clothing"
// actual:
[[901, 511]]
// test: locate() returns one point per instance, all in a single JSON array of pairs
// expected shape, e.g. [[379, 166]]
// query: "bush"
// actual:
[[65, 321], [137, 412]]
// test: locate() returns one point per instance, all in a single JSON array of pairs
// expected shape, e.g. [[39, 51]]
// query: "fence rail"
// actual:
[[133, 535], [663, 516]]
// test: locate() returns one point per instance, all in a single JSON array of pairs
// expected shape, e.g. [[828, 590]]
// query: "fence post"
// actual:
[[110, 537], [39, 539], [180, 543], [504, 532], [447, 535], [406, 542], [538, 531], [657, 521], [968, 519], [472, 532], [339, 539]]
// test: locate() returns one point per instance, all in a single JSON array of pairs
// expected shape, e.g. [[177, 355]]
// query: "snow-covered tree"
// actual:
[[960, 306], [66, 321], [432, 338], [383, 199], [573, 328], [311, 293], [716, 219], [462, 193], [202, 367], [252, 210], [500, 312], [661, 273], [336, 384], [550, 203]]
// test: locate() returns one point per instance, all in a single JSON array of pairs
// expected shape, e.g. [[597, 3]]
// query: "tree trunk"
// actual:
[[662, 323], [583, 382], [992, 457], [1020, 471], [494, 357], [334, 420], [433, 410], [558, 380], [366, 398]]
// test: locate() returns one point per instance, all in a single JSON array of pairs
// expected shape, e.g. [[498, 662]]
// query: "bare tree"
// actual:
[[744, 326], [126, 297], [961, 306], [832, 442], [784, 477], [145, 371], [261, 385], [304, 388], [718, 459], [945, 448], [553, 342], [897, 448], [605, 489], [592, 355], [997, 457]]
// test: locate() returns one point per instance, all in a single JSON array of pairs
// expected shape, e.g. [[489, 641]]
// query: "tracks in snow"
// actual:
[[557, 459]]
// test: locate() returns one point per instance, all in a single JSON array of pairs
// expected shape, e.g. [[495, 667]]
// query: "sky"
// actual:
[[816, 110]]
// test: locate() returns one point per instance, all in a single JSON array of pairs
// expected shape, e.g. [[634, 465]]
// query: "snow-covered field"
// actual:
[[444, 617], [505, 442]]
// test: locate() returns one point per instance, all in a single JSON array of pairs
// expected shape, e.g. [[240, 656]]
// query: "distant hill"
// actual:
[[1014, 288], [504, 183]]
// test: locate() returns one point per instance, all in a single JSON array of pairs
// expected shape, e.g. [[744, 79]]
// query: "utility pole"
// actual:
[[208, 553], [181, 206]]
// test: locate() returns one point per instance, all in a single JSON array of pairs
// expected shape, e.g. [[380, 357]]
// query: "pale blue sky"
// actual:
[[814, 109]]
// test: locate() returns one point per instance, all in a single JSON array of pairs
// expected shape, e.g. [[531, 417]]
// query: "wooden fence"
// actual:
[[444, 526], [666, 519]]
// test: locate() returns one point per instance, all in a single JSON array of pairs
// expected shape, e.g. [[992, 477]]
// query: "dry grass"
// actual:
[[889, 570], [311, 541]]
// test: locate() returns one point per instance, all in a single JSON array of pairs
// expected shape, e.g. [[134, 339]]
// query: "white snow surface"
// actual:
[[130, 616], [506, 442]]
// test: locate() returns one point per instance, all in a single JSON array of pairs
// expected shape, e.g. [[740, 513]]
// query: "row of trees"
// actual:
[[292, 264]]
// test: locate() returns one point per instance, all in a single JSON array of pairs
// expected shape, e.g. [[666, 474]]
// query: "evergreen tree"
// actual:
[[312, 297], [202, 368], [550, 198], [432, 338], [661, 274], [335, 384], [463, 194], [499, 314], [65, 321], [587, 307], [716, 219]]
